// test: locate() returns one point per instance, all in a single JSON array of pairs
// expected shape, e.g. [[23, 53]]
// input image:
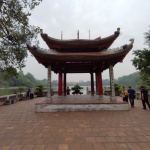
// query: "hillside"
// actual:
[[29, 81], [129, 80]]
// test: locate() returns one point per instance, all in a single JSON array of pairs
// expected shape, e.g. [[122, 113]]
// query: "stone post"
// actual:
[[112, 87], [49, 98]]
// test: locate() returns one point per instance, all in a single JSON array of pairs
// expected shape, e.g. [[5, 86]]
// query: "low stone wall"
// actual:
[[46, 107], [10, 99], [3, 100]]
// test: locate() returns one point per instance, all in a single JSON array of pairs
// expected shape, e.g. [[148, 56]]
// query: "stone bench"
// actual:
[[22, 97], [11, 99], [3, 100]]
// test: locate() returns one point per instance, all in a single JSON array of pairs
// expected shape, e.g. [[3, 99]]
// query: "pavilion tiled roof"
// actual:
[[76, 62], [80, 45]]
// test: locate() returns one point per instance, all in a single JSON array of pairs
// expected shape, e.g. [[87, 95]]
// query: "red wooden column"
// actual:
[[96, 82], [100, 85], [92, 84], [64, 83], [60, 84]]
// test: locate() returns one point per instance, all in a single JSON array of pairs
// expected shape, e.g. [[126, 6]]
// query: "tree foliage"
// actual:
[[39, 90], [27, 80], [15, 31], [147, 38], [117, 87], [21, 80], [76, 89], [141, 61], [145, 80]]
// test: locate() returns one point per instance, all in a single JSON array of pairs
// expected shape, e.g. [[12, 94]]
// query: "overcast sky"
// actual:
[[102, 18]]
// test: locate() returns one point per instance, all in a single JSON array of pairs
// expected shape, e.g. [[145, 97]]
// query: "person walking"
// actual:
[[131, 94], [144, 97]]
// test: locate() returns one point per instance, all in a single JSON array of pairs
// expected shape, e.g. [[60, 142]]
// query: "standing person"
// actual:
[[28, 94], [131, 94], [31, 94], [144, 97], [124, 94], [68, 91]]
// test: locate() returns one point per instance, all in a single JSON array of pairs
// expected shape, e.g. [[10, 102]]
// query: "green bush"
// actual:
[[39, 90]]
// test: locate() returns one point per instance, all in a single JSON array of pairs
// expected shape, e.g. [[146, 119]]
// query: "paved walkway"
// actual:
[[23, 129]]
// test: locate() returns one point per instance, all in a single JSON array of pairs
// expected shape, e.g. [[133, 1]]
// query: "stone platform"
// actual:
[[80, 103]]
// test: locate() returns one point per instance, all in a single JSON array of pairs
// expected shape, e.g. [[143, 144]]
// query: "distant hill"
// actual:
[[129, 80], [29, 81]]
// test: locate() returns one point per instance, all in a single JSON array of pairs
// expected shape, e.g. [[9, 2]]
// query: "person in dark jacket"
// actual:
[[68, 91], [28, 94], [144, 97], [131, 94], [31, 94]]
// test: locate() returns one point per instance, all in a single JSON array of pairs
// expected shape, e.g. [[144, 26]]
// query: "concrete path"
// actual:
[[23, 129]]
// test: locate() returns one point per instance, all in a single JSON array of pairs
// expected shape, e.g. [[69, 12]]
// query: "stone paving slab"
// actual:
[[23, 129]]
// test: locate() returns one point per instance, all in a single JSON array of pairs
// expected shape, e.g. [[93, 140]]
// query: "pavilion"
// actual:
[[80, 56]]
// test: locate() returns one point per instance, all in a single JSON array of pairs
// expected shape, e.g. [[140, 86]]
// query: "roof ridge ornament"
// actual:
[[61, 35], [28, 42], [41, 31], [78, 34], [118, 29], [132, 40]]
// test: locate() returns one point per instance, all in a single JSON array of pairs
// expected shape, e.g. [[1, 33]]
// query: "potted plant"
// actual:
[[76, 89], [39, 90]]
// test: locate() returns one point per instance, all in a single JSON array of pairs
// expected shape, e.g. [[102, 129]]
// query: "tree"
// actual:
[[145, 80], [22, 80], [39, 90], [21, 89], [141, 61], [118, 89], [77, 89], [147, 38], [15, 31], [30, 77]]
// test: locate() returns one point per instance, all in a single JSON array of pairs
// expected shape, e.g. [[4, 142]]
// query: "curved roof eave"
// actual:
[[48, 57], [63, 45]]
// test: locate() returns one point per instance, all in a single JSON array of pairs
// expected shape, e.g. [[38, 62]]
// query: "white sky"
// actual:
[[102, 18]]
